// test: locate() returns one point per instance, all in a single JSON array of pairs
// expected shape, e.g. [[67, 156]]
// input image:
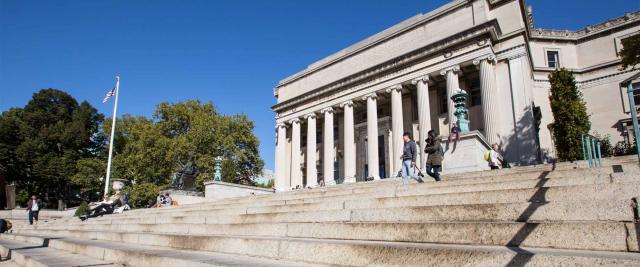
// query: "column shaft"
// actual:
[[372, 137], [452, 86], [312, 173], [396, 128], [280, 172], [296, 173], [490, 100], [424, 115], [328, 147], [349, 144]]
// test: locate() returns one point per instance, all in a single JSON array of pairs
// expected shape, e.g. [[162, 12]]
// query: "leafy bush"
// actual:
[[623, 148], [82, 209], [606, 149], [140, 195]]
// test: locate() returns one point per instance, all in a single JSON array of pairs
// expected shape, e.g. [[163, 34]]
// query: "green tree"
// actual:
[[147, 149], [630, 52], [569, 114], [41, 143]]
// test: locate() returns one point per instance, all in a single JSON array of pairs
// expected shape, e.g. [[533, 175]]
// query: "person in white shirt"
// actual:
[[495, 159], [33, 207]]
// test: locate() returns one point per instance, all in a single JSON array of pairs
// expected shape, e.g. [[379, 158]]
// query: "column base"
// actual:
[[330, 182], [349, 180], [374, 178]]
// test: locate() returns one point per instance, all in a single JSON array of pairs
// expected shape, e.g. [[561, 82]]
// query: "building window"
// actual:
[[553, 59], [475, 97], [443, 101]]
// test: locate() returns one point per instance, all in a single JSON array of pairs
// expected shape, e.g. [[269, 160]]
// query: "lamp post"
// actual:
[[217, 167], [460, 100]]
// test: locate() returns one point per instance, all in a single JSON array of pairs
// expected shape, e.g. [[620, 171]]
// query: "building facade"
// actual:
[[341, 119]]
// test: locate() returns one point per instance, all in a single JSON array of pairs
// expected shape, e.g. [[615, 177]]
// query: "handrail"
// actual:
[[591, 150]]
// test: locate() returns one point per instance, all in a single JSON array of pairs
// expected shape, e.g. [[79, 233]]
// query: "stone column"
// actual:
[[424, 115], [296, 173], [490, 101], [328, 147], [312, 173], [452, 85], [280, 172], [372, 136], [396, 127], [349, 143]]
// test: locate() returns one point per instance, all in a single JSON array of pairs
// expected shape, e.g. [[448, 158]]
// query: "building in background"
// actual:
[[341, 118]]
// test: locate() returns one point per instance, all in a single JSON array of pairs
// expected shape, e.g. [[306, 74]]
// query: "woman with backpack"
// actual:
[[436, 155]]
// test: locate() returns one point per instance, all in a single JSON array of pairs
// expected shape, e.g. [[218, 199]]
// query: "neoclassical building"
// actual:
[[341, 119]]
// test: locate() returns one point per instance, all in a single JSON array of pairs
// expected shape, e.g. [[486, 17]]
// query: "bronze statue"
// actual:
[[185, 178]]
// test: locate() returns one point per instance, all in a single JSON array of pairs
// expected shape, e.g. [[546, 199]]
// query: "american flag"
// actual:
[[109, 94]]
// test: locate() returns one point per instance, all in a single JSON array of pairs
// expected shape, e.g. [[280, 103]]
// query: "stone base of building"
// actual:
[[184, 197], [221, 190], [466, 154]]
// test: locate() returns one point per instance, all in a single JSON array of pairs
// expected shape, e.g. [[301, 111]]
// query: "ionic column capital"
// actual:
[[281, 125], [489, 58], [326, 110], [294, 121], [311, 115], [424, 79], [372, 95], [397, 87], [454, 69], [346, 103]]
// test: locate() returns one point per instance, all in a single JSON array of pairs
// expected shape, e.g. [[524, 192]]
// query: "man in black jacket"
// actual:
[[409, 153]]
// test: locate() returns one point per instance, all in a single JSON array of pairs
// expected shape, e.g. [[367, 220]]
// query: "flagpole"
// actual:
[[113, 129]]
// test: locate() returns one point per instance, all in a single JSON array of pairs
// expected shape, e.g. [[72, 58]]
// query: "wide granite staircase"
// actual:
[[546, 215]]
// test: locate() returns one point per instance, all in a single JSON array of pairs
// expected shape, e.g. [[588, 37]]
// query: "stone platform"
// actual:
[[545, 215]]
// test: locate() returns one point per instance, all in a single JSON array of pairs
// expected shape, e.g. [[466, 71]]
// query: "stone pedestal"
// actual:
[[184, 197], [219, 190], [465, 155]]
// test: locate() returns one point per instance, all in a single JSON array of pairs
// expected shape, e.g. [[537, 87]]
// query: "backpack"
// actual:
[[487, 155]]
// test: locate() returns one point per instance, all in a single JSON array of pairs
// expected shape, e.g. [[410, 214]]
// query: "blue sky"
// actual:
[[231, 53]]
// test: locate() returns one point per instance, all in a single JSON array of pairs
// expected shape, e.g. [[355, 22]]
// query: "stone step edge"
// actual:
[[627, 227], [22, 258], [182, 257], [426, 246]]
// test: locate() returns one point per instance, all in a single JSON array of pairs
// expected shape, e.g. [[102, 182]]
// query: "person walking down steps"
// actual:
[[409, 160], [436, 155]]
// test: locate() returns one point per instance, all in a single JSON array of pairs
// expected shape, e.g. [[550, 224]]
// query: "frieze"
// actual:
[[394, 66]]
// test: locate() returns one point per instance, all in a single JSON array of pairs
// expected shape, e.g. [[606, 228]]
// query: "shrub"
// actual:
[[140, 195], [83, 209]]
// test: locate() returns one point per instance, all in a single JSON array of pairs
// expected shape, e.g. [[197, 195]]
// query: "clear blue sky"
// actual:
[[231, 53]]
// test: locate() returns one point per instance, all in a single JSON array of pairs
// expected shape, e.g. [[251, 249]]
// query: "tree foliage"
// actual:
[[147, 149], [630, 52], [42, 143], [569, 114]]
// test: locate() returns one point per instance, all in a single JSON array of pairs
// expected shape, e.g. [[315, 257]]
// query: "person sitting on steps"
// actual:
[[107, 206]]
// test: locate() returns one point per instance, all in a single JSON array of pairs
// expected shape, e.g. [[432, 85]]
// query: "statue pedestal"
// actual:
[[184, 197], [220, 190], [465, 155]]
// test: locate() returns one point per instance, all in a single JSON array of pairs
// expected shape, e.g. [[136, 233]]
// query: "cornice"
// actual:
[[491, 28], [588, 31]]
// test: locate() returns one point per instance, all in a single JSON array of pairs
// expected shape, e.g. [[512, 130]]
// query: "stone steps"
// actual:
[[534, 216], [368, 187], [603, 236], [334, 252], [39, 255], [138, 254], [601, 188], [620, 190]]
